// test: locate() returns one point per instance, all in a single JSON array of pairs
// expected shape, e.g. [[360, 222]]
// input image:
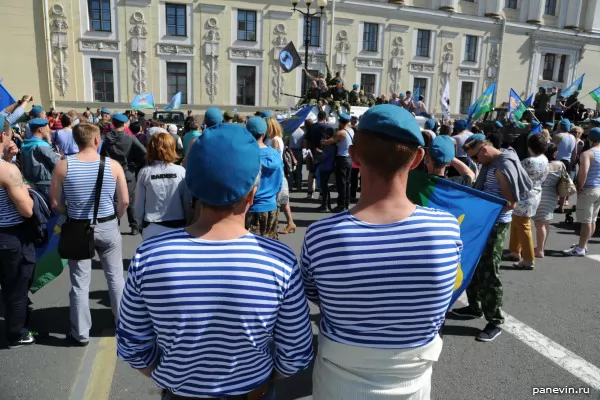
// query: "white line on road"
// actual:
[[595, 257], [561, 356]]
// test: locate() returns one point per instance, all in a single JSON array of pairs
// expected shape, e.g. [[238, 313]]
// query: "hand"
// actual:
[[11, 151], [27, 98]]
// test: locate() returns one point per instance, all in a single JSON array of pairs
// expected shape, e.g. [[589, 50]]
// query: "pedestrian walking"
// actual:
[[343, 164], [296, 145], [74, 184], [223, 315]]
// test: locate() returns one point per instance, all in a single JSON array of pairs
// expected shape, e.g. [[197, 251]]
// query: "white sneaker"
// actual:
[[575, 245], [574, 251]]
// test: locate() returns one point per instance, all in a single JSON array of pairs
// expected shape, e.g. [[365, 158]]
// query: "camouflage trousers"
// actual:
[[263, 223], [337, 106], [485, 287]]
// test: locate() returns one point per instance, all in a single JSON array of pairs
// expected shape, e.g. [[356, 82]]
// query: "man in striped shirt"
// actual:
[[382, 273], [213, 311]]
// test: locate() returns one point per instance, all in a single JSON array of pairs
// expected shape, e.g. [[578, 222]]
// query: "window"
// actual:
[[246, 86], [423, 40], [550, 7], [367, 83], [246, 26], [471, 48], [469, 1], [548, 71], [315, 31], [561, 68], [312, 72], [177, 80], [466, 97], [176, 20], [102, 76], [370, 33], [99, 13], [510, 4], [421, 84]]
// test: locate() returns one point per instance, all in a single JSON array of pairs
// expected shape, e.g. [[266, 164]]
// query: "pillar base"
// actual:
[[447, 8], [533, 21], [399, 2], [493, 15], [574, 27]]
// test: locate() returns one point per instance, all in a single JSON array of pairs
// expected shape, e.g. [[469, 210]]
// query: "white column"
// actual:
[[493, 8], [592, 16], [536, 11], [449, 5], [573, 14]]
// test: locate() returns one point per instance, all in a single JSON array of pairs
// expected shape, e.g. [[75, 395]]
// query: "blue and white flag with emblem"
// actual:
[[289, 58]]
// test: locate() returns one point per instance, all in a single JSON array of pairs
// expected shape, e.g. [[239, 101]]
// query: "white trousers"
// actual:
[[155, 229]]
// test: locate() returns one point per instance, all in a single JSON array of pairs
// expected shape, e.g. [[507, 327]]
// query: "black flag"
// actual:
[[289, 58]]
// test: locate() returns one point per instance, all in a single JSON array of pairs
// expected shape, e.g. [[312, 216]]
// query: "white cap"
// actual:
[[155, 129], [172, 128]]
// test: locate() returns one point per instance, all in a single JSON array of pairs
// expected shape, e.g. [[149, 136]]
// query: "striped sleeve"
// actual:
[[310, 286], [136, 337], [292, 333], [13, 117]]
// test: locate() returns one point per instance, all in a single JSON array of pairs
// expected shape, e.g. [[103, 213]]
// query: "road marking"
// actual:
[[103, 370], [595, 257], [556, 353]]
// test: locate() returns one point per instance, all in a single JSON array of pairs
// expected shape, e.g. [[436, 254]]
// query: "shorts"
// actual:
[[588, 205]]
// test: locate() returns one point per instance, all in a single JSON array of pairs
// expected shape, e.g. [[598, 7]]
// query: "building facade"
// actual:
[[88, 53]]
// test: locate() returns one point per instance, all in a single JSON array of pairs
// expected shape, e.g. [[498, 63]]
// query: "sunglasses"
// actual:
[[474, 157]]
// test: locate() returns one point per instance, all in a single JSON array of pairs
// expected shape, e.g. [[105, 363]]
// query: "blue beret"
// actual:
[[392, 121], [594, 134], [344, 117], [595, 121], [499, 124], [213, 178], [430, 124], [104, 110], [442, 149], [401, 95], [355, 86], [213, 116], [120, 118], [473, 140], [2, 121], [543, 89], [565, 124], [461, 125], [37, 123], [257, 126], [265, 113], [36, 111]]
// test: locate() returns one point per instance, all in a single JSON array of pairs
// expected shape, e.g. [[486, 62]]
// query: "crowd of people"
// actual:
[[214, 305]]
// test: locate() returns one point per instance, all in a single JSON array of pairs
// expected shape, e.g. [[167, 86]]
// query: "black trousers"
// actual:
[[17, 266], [131, 206], [325, 193], [343, 166], [354, 182], [297, 175]]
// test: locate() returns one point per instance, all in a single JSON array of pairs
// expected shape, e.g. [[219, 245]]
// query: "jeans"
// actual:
[[325, 194], [343, 166], [17, 265], [108, 245], [297, 174], [354, 182]]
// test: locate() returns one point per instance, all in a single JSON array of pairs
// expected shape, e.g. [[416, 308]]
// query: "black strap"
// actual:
[[99, 180], [351, 136]]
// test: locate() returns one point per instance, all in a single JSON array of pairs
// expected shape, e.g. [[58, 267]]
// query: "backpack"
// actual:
[[289, 162]]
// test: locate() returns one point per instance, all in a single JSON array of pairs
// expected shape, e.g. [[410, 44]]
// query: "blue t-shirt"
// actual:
[[271, 178], [64, 140], [188, 137]]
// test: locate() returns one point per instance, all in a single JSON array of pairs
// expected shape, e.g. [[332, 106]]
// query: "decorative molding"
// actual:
[[283, 15], [493, 63], [211, 8], [446, 67], [420, 67], [139, 49], [369, 62], [242, 53], [60, 47], [342, 49], [279, 43], [396, 62], [99, 45], [344, 21], [448, 34], [212, 37], [179, 49], [398, 28], [474, 72], [137, 3], [316, 58]]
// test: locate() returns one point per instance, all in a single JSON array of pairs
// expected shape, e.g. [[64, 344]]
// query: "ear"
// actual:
[[418, 158]]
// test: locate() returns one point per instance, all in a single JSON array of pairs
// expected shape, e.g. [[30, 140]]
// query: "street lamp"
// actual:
[[307, 16]]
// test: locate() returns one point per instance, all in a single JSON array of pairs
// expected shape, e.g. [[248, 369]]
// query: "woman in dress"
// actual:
[[545, 211], [521, 237], [275, 140]]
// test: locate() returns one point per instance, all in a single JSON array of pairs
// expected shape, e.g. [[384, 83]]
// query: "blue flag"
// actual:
[[142, 101], [295, 121], [475, 211], [175, 103], [537, 128], [6, 98], [484, 104], [529, 101], [417, 93], [575, 87], [516, 106]]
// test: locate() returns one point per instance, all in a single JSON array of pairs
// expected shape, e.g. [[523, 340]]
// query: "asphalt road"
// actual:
[[551, 341]]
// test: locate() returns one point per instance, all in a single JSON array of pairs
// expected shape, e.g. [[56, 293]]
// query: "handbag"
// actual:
[[565, 186], [77, 236]]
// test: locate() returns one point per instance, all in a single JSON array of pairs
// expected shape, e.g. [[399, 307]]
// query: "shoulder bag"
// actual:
[[77, 236], [565, 186]]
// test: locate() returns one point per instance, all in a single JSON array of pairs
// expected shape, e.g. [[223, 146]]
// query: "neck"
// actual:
[[438, 171], [383, 202], [121, 129], [88, 150], [214, 225]]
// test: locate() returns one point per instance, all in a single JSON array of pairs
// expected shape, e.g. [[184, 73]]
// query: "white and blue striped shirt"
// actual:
[[492, 186], [219, 315], [80, 189], [382, 286], [9, 214]]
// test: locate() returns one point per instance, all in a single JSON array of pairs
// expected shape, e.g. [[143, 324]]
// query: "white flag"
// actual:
[[446, 100]]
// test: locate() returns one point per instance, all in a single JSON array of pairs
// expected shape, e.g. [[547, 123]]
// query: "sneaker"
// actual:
[[74, 342], [24, 341], [489, 333], [338, 210], [135, 231], [576, 245], [322, 209], [575, 251], [467, 311], [309, 196]]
